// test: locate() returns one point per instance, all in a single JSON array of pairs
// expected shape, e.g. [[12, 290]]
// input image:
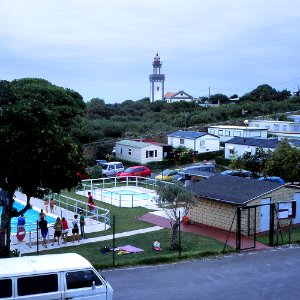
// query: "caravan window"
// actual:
[[81, 279], [5, 288], [37, 284]]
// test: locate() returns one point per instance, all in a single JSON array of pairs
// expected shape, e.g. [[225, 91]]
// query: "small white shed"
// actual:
[[197, 141], [139, 152]]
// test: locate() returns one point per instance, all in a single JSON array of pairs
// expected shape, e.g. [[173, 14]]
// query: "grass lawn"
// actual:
[[283, 238], [193, 246], [126, 219]]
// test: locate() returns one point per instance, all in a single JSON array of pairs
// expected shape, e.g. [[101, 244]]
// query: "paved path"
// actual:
[[95, 239], [218, 234]]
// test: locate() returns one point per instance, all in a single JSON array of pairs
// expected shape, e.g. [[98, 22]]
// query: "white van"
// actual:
[[112, 168], [51, 276]]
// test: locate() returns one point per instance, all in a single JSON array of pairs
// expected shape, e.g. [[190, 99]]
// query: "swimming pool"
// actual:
[[31, 216], [130, 194]]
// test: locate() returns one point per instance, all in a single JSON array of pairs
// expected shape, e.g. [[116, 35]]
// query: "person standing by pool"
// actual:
[[43, 224], [57, 230], [65, 229], [82, 223], [46, 204], [52, 206], [75, 229], [91, 203], [42, 215], [21, 221]]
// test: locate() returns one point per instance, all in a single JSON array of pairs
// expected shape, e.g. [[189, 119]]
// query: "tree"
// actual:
[[171, 197], [284, 162], [237, 162], [36, 148], [256, 162], [265, 93], [218, 99]]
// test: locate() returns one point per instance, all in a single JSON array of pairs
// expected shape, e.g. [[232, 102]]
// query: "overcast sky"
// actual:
[[105, 49]]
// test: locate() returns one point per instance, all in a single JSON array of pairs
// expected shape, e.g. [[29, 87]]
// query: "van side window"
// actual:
[[81, 279], [5, 288], [37, 284]]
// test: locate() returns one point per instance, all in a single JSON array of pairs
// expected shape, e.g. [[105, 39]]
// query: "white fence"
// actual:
[[138, 191]]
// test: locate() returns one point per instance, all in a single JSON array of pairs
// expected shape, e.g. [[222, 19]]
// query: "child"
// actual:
[[42, 215], [57, 231], [21, 221], [75, 229]]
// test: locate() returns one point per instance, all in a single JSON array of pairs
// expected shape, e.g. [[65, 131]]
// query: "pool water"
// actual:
[[31, 216], [136, 195]]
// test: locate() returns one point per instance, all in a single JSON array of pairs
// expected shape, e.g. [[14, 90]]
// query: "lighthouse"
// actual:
[[157, 81]]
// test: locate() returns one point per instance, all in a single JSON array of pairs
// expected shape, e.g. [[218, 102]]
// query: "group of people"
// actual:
[[61, 227], [49, 203]]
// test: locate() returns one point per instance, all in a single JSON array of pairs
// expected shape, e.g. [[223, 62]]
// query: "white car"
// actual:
[[112, 168]]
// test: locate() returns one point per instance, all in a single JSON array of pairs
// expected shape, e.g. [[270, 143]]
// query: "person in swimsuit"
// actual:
[[46, 204], [52, 206]]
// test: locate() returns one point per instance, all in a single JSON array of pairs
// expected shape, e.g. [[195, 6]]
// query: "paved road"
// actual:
[[270, 274]]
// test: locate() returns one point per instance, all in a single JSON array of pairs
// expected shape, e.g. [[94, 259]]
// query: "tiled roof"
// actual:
[[168, 95], [232, 189], [265, 143], [135, 144], [187, 134]]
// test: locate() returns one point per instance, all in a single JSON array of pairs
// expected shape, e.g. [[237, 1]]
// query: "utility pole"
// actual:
[[208, 92]]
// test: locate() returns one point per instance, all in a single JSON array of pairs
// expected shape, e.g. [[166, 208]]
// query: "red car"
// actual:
[[135, 171]]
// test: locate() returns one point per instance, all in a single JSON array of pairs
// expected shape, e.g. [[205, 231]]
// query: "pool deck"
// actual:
[[29, 243], [125, 200], [91, 225]]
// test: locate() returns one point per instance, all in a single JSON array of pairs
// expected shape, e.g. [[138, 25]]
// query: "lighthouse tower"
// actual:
[[157, 81]]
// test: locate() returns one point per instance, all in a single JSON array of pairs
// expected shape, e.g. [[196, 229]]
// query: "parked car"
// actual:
[[185, 174], [167, 175], [112, 168], [240, 173], [272, 179], [101, 162], [201, 167], [135, 171]]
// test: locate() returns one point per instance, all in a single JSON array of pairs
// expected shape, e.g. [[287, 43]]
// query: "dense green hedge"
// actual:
[[221, 161], [209, 155]]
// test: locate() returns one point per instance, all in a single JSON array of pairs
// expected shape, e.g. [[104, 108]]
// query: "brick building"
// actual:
[[218, 197]]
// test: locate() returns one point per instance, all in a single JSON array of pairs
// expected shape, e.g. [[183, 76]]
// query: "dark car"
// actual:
[[135, 171], [101, 162], [240, 173], [272, 179], [196, 170]]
